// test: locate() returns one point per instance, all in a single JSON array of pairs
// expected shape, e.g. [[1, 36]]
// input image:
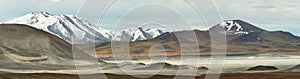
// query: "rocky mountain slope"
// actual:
[[26, 48]]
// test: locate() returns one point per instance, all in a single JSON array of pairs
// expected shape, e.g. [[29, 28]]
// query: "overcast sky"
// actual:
[[268, 14]]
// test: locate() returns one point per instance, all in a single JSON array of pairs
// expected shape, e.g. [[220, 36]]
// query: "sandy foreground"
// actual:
[[111, 76]]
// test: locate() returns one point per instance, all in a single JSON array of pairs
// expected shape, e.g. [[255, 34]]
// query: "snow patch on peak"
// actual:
[[233, 27], [229, 24]]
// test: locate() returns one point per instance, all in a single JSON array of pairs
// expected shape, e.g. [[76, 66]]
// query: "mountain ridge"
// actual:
[[249, 40], [70, 26]]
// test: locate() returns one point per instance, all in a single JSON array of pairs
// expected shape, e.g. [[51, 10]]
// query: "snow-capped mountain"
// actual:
[[70, 26], [134, 34], [239, 27], [64, 26]]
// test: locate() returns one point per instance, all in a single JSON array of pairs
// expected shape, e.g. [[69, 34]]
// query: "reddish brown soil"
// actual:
[[110, 76]]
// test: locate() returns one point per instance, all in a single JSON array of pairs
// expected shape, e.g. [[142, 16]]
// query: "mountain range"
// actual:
[[249, 40], [70, 27], [242, 37]]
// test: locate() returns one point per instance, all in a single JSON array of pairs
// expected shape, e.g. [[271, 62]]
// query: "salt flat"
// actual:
[[232, 64]]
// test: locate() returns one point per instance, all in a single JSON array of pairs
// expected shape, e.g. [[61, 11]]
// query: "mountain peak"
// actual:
[[66, 27], [135, 34], [39, 14], [43, 13], [239, 27]]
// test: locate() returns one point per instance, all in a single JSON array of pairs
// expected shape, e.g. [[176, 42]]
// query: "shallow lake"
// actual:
[[238, 61]]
